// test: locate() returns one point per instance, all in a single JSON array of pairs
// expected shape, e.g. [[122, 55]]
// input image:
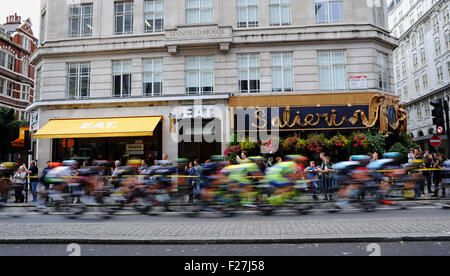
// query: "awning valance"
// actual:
[[99, 127]]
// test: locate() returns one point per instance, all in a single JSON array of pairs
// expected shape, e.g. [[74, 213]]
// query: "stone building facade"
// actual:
[[108, 59]]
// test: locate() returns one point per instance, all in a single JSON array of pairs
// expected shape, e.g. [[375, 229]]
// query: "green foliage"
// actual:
[[357, 143], [400, 148], [9, 128], [289, 144], [375, 142], [250, 147], [316, 142]]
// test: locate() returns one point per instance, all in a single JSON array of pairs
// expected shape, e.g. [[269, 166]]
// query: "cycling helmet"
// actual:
[[391, 155], [360, 158], [69, 163], [90, 171]]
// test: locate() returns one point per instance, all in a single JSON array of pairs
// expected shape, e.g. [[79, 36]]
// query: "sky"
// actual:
[[23, 8]]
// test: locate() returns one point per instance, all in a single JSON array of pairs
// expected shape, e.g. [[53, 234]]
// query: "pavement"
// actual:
[[419, 223]]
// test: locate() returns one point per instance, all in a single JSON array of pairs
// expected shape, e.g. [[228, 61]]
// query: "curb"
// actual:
[[125, 241]]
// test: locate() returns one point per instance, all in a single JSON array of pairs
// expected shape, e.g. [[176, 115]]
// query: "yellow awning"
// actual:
[[99, 127]]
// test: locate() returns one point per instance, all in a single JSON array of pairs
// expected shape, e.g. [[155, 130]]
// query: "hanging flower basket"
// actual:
[[316, 142]]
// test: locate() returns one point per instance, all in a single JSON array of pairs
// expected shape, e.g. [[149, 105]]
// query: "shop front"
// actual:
[[87, 139], [263, 116]]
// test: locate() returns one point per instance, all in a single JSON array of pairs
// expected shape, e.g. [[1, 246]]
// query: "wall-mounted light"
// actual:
[[148, 23], [89, 26]]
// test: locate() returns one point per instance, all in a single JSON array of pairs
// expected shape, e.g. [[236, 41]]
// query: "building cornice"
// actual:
[[430, 94], [158, 42], [108, 102]]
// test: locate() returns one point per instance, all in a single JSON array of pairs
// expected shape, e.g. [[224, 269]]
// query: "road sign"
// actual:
[[440, 129], [435, 141]]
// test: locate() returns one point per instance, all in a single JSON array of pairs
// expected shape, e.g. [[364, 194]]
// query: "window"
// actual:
[[42, 35], [440, 74], [37, 90], [25, 67], [448, 69], [423, 57], [282, 73], [383, 73], [417, 85], [199, 75], [415, 62], [329, 11], [11, 62], [248, 66], [413, 41], [437, 47], [10, 89], [2, 86], [405, 92], [447, 40], [25, 93], [121, 78], [332, 75], [421, 35], [152, 69], [280, 12], [247, 13], [80, 20], [154, 16], [378, 13], [199, 11], [425, 81], [78, 80], [3, 58], [26, 43], [123, 18]]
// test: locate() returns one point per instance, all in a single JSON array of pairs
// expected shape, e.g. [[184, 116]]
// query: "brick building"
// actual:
[[17, 43]]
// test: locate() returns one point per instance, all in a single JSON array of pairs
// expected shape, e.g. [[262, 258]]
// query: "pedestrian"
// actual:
[[190, 171], [411, 155], [44, 173], [428, 163], [243, 158], [165, 157], [327, 178], [114, 173], [143, 166], [19, 180], [34, 180], [418, 154], [374, 157], [438, 176], [312, 174]]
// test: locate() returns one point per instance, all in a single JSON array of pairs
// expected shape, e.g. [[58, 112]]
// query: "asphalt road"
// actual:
[[26, 215], [239, 250]]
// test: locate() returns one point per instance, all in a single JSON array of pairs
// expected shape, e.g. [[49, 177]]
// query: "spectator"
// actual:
[[143, 166], [326, 177], [428, 159], [33, 173], [438, 176], [191, 171], [411, 155], [243, 158], [44, 173], [418, 154], [374, 157], [19, 181], [311, 173]]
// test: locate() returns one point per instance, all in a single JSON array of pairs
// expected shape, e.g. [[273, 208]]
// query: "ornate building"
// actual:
[[17, 43], [421, 61], [183, 60]]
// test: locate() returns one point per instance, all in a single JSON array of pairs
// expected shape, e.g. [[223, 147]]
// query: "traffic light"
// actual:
[[438, 113]]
